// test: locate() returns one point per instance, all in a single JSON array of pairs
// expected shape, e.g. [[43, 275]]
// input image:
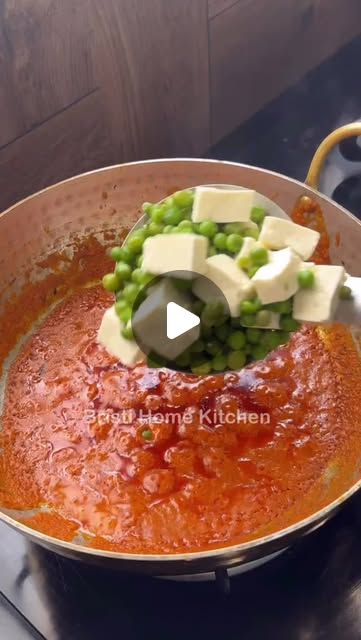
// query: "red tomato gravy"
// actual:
[[201, 482], [74, 417]]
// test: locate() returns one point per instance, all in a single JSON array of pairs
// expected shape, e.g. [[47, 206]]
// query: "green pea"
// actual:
[[208, 228], [248, 319], [123, 271], [157, 213], [120, 305], [130, 292], [215, 308], [234, 242], [125, 255], [259, 352], [284, 307], [252, 270], [125, 314], [202, 369], [236, 340], [182, 285], [155, 228], [198, 358], [169, 203], [222, 332], [283, 337], [168, 228], [251, 233], [197, 307], [147, 208], [244, 262], [146, 278], [345, 293], [258, 215], [228, 228], [206, 319], [263, 317], [213, 347], [236, 359], [140, 277], [127, 332], [183, 199], [147, 434], [250, 306], [111, 282], [187, 230], [135, 241], [212, 251], [253, 335], [139, 261], [270, 339], [173, 216], [116, 253], [183, 360], [220, 241], [287, 323], [259, 256], [306, 279], [154, 360], [206, 332], [198, 346], [186, 225], [219, 362], [234, 227], [213, 313], [220, 316]]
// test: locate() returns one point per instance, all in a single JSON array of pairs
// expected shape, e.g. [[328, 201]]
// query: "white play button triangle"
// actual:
[[179, 320]]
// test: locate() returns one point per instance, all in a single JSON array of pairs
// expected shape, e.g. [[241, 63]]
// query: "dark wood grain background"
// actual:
[[86, 83]]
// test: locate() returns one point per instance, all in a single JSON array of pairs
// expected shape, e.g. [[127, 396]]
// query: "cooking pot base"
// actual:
[[233, 571]]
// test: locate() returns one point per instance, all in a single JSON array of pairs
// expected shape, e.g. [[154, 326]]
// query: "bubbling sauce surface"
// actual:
[[231, 456]]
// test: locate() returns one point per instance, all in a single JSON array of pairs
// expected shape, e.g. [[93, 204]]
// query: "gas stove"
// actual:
[[311, 591]]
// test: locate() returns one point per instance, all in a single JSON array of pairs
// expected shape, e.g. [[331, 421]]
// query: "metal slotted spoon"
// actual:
[[348, 311]]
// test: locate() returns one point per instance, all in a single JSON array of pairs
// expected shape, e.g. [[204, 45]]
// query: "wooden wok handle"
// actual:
[[318, 160]]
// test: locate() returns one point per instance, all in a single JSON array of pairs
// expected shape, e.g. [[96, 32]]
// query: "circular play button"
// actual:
[[179, 320], [167, 315]]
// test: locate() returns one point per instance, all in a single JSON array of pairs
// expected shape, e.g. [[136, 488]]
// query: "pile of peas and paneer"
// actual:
[[225, 343]]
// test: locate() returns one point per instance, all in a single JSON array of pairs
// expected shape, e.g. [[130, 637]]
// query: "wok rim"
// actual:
[[303, 526], [111, 167]]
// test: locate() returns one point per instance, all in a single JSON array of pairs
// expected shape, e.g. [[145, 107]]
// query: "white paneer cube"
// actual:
[[186, 252], [277, 280], [249, 244], [149, 321], [277, 233], [222, 205], [110, 337], [319, 303], [231, 281]]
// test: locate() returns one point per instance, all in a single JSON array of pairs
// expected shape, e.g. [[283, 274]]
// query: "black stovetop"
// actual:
[[310, 592]]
